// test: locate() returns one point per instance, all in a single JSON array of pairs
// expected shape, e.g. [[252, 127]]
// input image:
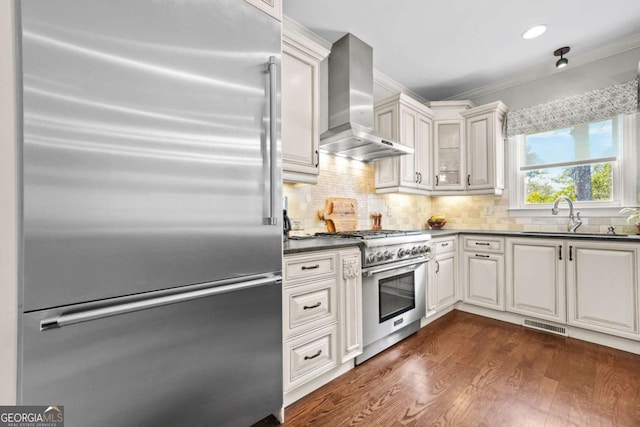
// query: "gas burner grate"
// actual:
[[371, 234]]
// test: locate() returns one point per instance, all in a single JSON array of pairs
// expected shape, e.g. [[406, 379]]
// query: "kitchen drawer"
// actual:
[[309, 266], [442, 246], [483, 244], [309, 356], [309, 306]]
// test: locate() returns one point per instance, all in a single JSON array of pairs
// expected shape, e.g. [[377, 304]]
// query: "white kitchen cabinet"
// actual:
[[535, 278], [310, 355], [322, 317], [483, 271], [350, 284], [309, 305], [403, 119], [602, 287], [300, 107], [449, 151], [468, 147], [310, 316], [270, 7], [443, 273], [485, 147]]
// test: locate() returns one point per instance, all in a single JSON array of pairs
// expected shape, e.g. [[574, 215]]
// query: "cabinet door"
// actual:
[[442, 287], [449, 155], [351, 305], [270, 7], [408, 133], [535, 284], [484, 279], [602, 283], [423, 154], [480, 152], [300, 136], [387, 170]]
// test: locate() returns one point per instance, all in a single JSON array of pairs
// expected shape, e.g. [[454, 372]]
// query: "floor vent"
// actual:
[[559, 330]]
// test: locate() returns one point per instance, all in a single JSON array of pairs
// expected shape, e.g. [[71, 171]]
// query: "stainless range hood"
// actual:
[[351, 131]]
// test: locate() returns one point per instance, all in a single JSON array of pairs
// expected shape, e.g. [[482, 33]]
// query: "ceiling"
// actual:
[[439, 49]]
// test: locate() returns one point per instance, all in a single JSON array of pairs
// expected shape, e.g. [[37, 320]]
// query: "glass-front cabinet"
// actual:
[[449, 144], [448, 155]]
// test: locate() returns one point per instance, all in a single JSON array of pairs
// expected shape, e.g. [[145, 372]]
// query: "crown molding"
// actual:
[[292, 27], [393, 86], [541, 72]]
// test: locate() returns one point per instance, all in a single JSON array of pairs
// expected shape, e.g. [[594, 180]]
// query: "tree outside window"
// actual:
[[576, 162]]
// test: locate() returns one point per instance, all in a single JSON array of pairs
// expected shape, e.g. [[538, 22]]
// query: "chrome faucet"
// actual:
[[574, 221]]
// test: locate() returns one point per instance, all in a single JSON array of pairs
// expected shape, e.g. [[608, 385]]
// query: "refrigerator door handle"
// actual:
[[273, 136], [115, 310]]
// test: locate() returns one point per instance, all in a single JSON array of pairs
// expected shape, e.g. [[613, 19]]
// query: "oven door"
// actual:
[[393, 296]]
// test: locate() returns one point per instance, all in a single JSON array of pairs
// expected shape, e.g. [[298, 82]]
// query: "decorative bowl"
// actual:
[[437, 221]]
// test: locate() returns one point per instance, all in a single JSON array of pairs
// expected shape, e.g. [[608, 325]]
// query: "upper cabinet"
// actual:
[[459, 148], [409, 122], [449, 144], [270, 7], [485, 148], [300, 104]]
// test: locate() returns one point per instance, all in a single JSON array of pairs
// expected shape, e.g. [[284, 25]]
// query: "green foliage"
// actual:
[[542, 189], [602, 182]]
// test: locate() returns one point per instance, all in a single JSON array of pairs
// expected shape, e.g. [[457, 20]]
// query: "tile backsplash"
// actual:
[[341, 177]]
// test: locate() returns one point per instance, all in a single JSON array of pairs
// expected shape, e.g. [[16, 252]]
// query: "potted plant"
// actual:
[[635, 216]]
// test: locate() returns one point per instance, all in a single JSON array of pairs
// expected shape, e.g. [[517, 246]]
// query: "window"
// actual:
[[593, 164]]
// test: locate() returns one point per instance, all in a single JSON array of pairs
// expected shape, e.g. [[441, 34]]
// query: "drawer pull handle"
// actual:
[[309, 307], [444, 244], [483, 256], [570, 253], [311, 267], [314, 356], [483, 244]]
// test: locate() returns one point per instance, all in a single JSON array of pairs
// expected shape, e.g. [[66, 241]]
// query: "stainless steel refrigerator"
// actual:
[[151, 205]]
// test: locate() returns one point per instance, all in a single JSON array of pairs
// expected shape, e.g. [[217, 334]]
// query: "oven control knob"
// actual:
[[414, 250], [379, 256], [423, 249], [401, 253], [388, 255], [371, 257]]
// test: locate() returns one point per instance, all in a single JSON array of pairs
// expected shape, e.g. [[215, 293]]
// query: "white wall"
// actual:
[[8, 214], [568, 81]]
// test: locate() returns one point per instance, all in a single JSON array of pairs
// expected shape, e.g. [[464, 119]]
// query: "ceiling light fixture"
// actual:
[[562, 62], [535, 31]]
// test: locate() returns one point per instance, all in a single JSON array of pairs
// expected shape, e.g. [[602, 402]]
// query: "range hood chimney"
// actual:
[[351, 131]]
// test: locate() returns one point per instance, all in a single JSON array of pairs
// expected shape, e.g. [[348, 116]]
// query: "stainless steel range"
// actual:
[[394, 280]]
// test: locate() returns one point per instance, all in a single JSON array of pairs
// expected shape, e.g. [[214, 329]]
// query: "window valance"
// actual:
[[590, 106]]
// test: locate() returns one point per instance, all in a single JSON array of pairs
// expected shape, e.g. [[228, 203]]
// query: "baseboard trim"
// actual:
[[599, 338]]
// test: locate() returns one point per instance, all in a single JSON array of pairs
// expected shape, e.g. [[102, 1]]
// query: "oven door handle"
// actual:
[[395, 265]]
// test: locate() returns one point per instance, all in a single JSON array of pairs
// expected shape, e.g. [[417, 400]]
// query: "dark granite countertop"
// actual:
[[543, 234], [318, 243]]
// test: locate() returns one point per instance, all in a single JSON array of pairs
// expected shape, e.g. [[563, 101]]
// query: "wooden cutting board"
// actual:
[[340, 214]]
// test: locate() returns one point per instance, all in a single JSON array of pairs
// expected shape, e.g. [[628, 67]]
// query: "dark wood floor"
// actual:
[[467, 370]]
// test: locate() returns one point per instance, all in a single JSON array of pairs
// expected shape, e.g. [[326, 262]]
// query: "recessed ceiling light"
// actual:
[[535, 31]]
